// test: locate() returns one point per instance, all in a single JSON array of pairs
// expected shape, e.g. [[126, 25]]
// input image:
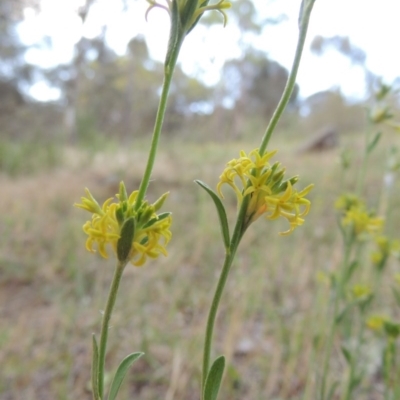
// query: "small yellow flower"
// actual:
[[362, 221], [385, 248], [252, 175], [360, 291], [324, 278], [150, 232], [375, 322], [356, 216], [384, 324], [380, 114], [347, 201]]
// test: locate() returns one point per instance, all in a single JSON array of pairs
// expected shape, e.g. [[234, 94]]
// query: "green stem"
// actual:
[[331, 334], [168, 73], [105, 323], [305, 18], [229, 257], [211, 317], [387, 367], [240, 226], [355, 358], [363, 170]]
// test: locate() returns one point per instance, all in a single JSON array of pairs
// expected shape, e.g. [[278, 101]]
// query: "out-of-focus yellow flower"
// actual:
[[359, 292], [362, 221], [149, 233], [384, 324], [385, 248], [325, 278], [347, 201], [380, 114], [356, 215], [375, 322], [252, 175]]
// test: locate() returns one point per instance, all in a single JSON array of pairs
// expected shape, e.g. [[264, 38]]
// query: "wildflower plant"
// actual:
[[352, 297], [136, 231]]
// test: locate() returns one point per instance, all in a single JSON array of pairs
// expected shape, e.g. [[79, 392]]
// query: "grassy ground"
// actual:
[[273, 309]]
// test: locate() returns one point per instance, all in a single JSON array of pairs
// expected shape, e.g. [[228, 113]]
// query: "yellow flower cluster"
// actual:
[[150, 234], [375, 322], [384, 324], [385, 248], [252, 175], [356, 216], [359, 291], [381, 112]]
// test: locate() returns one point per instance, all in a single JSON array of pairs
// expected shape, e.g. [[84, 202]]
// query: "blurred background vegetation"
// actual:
[[95, 134], [106, 96]]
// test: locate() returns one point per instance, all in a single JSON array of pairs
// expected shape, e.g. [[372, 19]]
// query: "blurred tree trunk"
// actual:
[[71, 117]]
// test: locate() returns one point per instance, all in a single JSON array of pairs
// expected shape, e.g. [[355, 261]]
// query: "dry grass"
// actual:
[[52, 289]]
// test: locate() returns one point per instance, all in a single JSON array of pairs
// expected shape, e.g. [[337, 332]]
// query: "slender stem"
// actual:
[[169, 71], [363, 170], [337, 295], [112, 295], [211, 317], [240, 226], [355, 358], [305, 18], [229, 257]]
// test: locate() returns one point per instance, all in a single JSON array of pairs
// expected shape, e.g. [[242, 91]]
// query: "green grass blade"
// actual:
[[332, 390], [121, 372], [214, 378], [221, 212], [374, 142]]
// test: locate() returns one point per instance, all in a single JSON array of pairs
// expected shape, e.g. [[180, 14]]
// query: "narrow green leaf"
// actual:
[[346, 354], [124, 243], [339, 317], [350, 270], [121, 372], [356, 382], [214, 378], [159, 218], [203, 4], [374, 142], [95, 369], [188, 11], [332, 390], [221, 212]]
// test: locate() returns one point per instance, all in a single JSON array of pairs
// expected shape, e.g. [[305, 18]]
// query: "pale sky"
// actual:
[[373, 26]]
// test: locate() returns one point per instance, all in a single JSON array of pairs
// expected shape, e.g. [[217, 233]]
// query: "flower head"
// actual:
[[133, 235], [375, 322], [347, 201], [380, 114], [269, 194], [358, 291], [362, 221], [186, 13], [384, 248], [384, 324], [357, 217], [381, 111]]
